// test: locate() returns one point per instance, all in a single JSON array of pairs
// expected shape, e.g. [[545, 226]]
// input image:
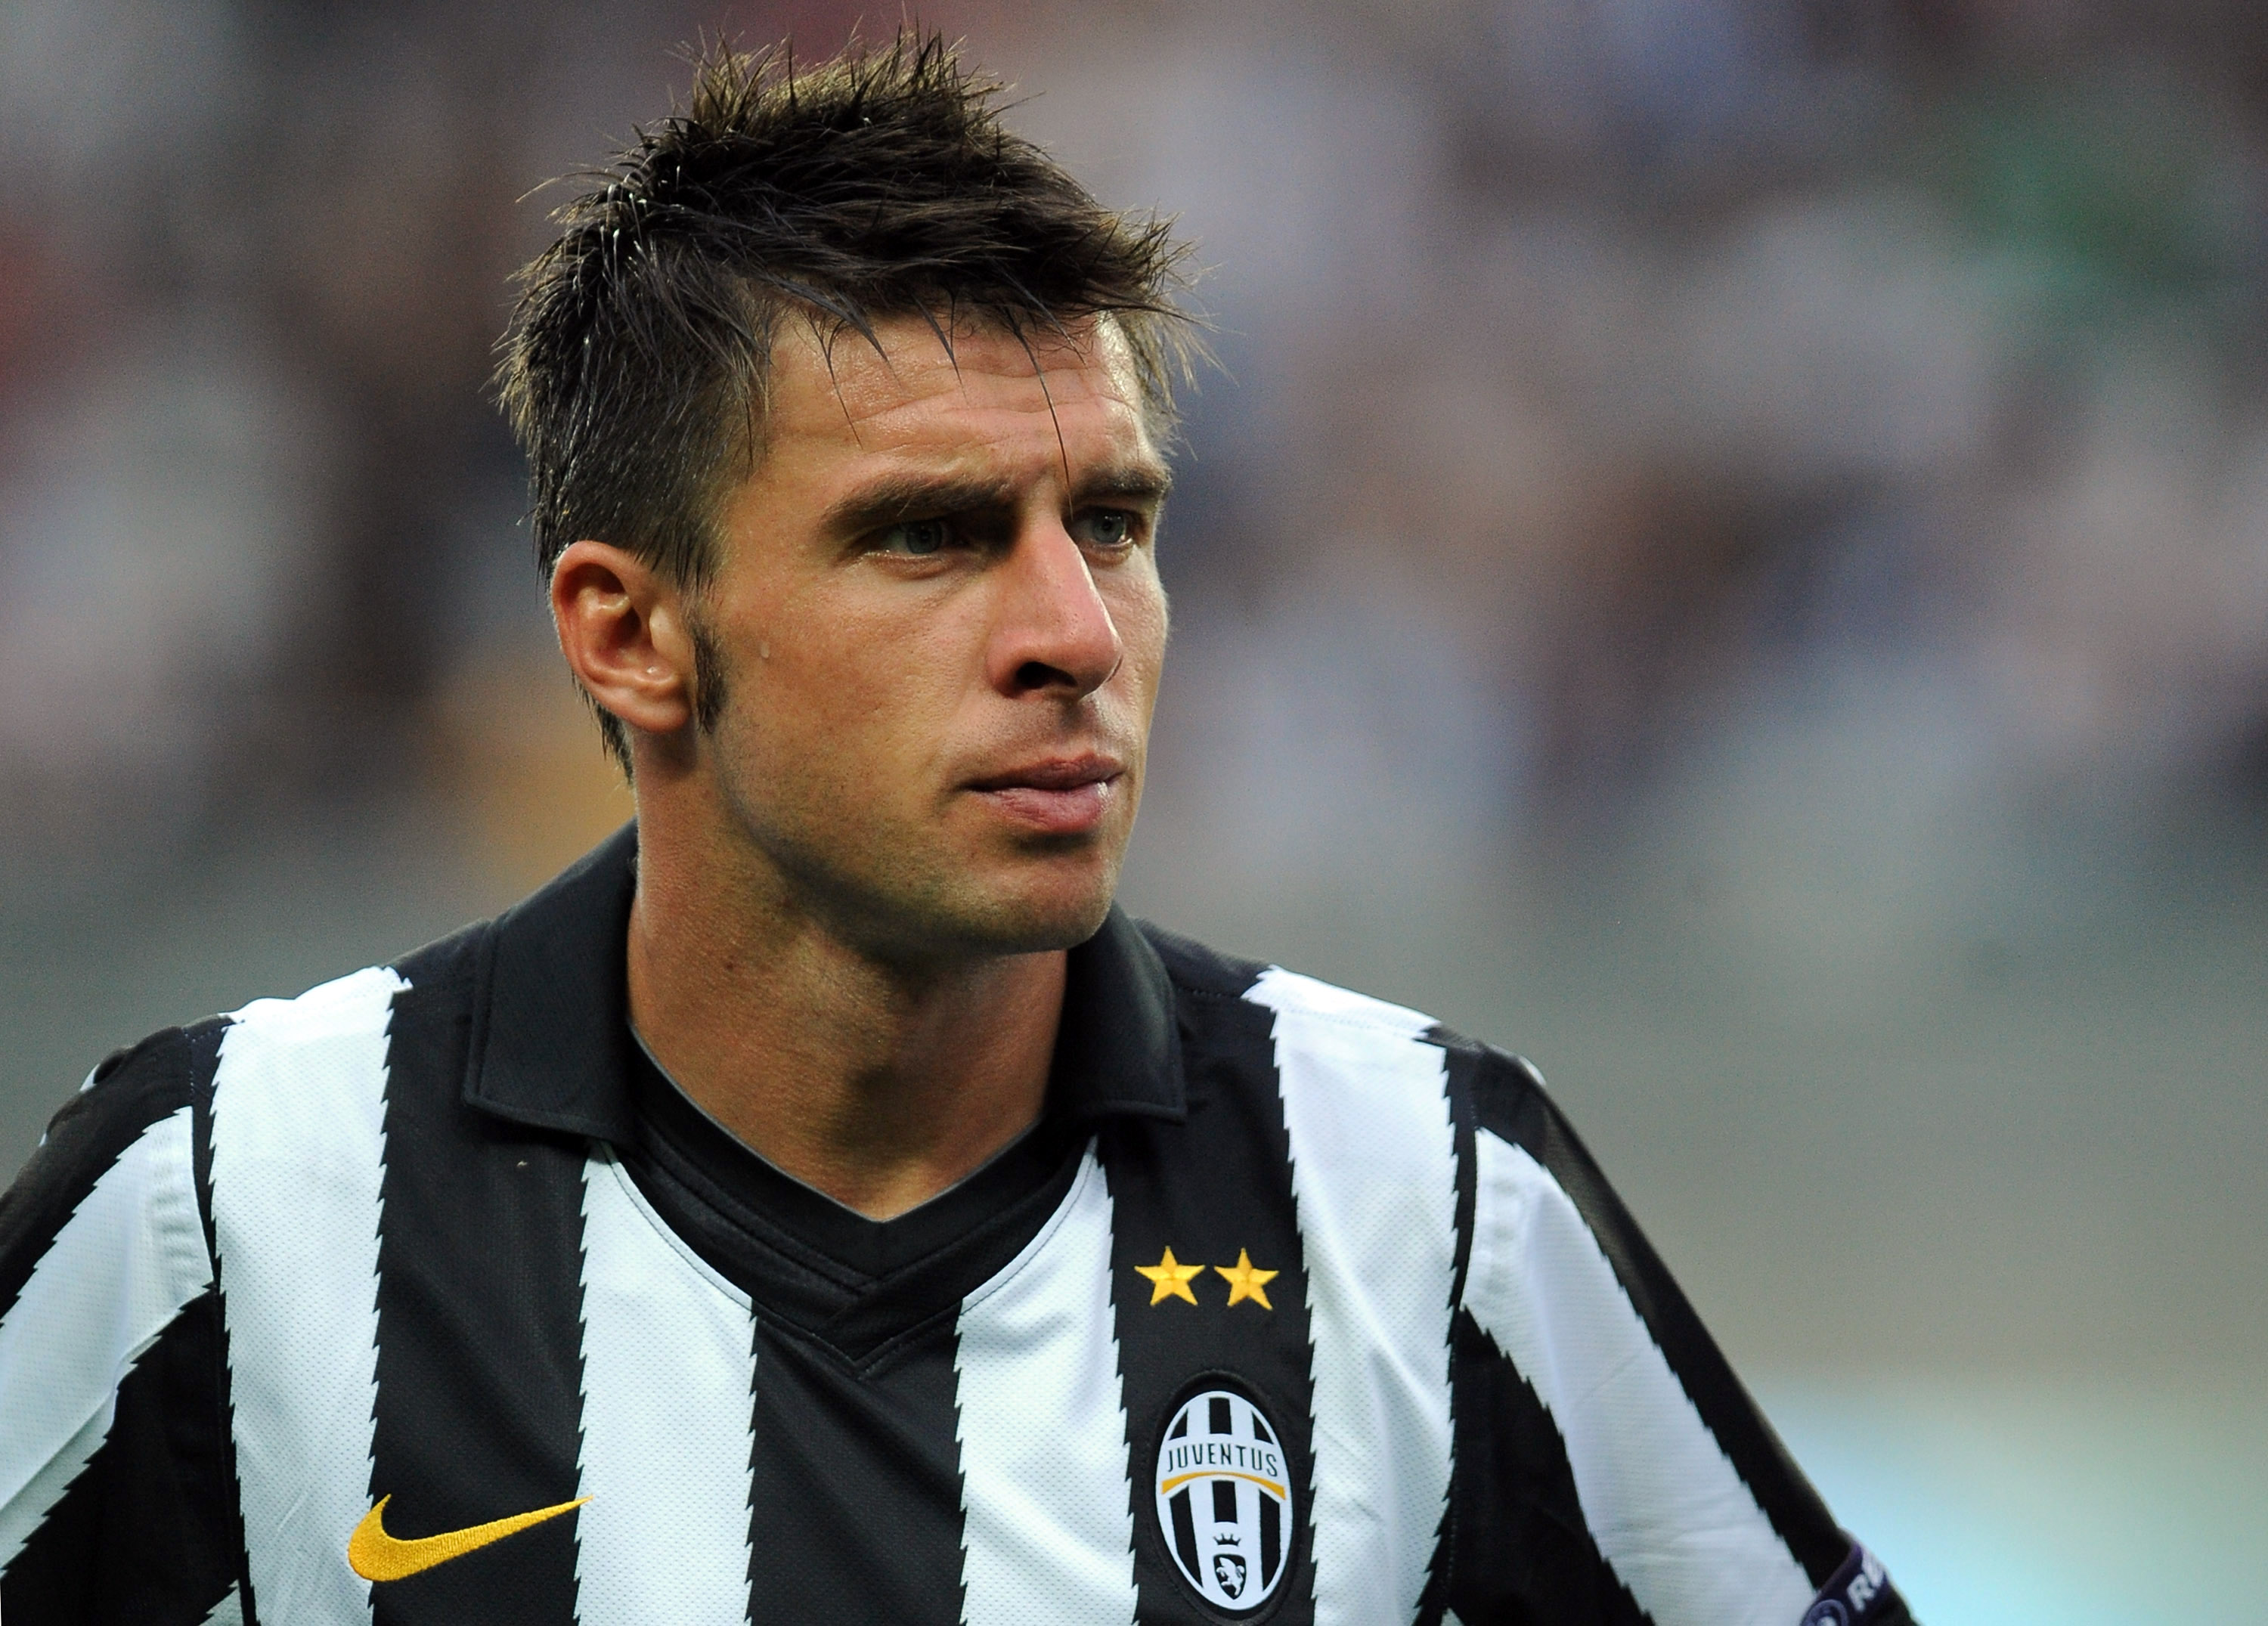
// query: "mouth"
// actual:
[[1057, 796]]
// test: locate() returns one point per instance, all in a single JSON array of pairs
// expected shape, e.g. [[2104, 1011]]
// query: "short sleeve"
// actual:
[[115, 1503], [1611, 1467]]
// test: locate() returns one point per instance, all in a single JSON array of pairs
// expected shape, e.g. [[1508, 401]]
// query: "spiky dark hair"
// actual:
[[880, 184]]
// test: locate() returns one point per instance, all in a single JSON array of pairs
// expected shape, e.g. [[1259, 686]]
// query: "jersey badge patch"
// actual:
[[1224, 1487]]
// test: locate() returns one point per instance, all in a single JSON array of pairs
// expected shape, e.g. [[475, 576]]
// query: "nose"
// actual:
[[1052, 634]]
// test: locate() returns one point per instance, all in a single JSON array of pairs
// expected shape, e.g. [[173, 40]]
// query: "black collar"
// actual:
[[551, 1043]]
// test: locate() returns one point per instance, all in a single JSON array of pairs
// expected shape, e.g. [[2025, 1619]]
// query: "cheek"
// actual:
[[1138, 611], [847, 677]]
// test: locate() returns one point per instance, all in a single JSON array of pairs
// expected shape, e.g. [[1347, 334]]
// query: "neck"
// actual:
[[879, 1084]]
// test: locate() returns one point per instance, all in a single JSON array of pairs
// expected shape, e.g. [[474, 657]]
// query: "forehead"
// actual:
[[993, 397]]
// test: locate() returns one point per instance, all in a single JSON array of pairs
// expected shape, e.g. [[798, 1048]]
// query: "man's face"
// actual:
[[939, 625]]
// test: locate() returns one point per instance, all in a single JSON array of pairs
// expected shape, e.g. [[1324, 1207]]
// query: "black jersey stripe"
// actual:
[[842, 1450], [203, 1041], [479, 1347], [157, 1491], [1511, 1101], [1213, 1188], [1460, 1060], [1527, 1553]]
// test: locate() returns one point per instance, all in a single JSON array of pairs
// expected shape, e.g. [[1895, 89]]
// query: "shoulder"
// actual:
[[1213, 987], [1306, 1018], [154, 1098], [361, 1000], [1203, 973], [118, 1160], [359, 1003], [142, 1117], [128, 1090], [283, 1064], [1206, 974]]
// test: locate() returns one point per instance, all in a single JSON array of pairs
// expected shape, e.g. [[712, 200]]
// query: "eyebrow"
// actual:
[[1130, 482], [891, 499]]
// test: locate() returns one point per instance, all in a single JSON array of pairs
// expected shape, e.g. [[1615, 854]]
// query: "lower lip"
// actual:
[[1072, 811]]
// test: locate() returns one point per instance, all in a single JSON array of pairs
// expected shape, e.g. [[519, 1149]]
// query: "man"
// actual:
[[820, 1204]]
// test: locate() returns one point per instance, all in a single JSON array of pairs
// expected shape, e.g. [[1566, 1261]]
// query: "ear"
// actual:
[[623, 630]]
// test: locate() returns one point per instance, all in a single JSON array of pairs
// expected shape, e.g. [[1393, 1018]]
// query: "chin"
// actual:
[[1033, 925], [1025, 910], [1036, 909]]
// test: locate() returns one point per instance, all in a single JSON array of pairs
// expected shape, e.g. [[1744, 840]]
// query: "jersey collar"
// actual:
[[551, 1045]]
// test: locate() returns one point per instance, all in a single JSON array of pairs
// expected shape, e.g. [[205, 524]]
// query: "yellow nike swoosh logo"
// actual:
[[377, 1556]]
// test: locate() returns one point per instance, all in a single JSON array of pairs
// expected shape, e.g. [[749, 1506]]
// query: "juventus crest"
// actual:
[[1225, 1499]]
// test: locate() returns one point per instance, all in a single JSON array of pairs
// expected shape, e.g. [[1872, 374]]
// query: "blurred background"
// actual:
[[1730, 554]]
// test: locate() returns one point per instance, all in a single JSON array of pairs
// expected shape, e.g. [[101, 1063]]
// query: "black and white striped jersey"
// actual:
[[421, 1298]]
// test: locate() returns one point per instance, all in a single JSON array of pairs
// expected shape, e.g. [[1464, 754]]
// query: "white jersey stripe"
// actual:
[[28, 1509], [228, 1612], [299, 1155], [1668, 1512], [668, 1390], [133, 1250], [1048, 1530], [1373, 1188]]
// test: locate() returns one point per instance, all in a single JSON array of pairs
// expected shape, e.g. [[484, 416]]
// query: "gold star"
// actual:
[[1246, 1283], [1169, 1278]]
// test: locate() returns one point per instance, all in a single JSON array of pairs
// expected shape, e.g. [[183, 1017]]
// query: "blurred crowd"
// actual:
[[1610, 386]]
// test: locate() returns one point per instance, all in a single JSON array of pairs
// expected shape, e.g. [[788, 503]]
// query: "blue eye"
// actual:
[[1106, 527], [916, 538]]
